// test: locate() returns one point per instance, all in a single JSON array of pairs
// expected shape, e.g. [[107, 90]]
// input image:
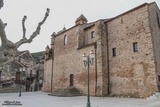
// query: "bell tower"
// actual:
[[81, 20]]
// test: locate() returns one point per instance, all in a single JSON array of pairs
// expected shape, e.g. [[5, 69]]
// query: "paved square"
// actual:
[[41, 99]]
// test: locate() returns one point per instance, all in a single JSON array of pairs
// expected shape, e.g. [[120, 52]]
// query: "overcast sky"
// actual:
[[62, 13]]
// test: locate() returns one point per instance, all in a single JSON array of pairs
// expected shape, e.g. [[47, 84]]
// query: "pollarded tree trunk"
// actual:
[[8, 49]]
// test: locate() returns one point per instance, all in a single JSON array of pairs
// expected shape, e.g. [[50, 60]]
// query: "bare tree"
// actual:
[[37, 32], [8, 49]]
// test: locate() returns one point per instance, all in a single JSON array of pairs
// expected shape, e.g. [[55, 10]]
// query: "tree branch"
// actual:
[[37, 32], [2, 33], [23, 26]]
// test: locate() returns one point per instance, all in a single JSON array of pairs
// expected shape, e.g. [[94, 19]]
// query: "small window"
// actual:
[[159, 78], [92, 34], [65, 39], [135, 47], [114, 51], [158, 20]]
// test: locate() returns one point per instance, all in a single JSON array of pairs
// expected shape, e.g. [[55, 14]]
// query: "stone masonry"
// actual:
[[126, 55]]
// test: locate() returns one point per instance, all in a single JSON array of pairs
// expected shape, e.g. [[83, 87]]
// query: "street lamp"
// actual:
[[87, 61], [20, 69]]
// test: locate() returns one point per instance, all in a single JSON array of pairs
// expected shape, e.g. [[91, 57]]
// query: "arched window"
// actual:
[[65, 39]]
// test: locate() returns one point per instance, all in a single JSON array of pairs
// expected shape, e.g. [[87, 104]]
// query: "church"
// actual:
[[126, 49]]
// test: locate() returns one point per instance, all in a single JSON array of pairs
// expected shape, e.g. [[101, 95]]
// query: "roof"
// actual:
[[21, 64], [88, 25], [20, 53], [138, 7], [38, 55]]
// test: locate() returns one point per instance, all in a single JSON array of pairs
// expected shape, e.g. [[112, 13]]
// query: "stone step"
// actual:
[[155, 96], [67, 92]]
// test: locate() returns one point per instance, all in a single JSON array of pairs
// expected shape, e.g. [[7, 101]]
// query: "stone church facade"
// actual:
[[127, 54]]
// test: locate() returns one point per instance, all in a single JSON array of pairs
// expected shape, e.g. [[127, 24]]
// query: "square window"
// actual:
[[92, 34], [113, 51], [135, 47]]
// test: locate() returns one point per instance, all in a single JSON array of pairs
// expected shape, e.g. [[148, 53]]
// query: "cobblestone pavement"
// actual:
[[41, 99]]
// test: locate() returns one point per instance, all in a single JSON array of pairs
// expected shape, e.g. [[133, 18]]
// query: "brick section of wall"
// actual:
[[131, 73]]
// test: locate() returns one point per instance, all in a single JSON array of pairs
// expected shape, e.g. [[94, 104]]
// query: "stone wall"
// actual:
[[131, 73], [101, 58], [68, 60], [47, 75], [128, 73], [154, 21]]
